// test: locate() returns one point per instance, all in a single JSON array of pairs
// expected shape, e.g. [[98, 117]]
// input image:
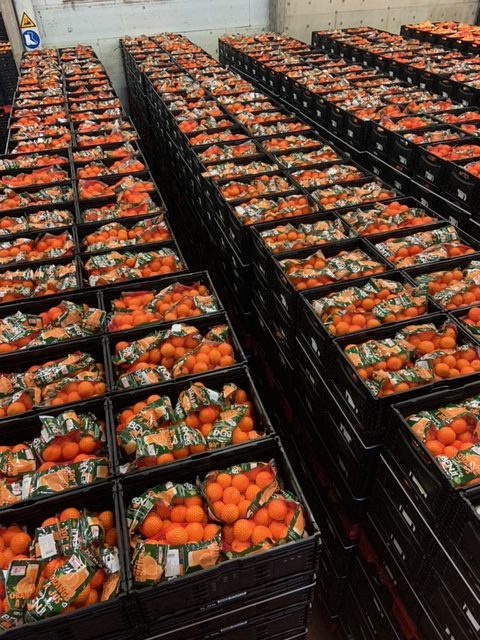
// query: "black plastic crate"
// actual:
[[433, 170], [365, 613], [232, 580], [313, 332], [450, 599], [239, 376], [284, 289], [371, 410], [202, 323], [115, 620], [279, 616], [463, 536], [16, 362], [434, 495], [113, 292], [404, 530]]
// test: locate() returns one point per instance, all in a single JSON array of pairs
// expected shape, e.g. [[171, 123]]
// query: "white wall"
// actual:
[[102, 22], [301, 17]]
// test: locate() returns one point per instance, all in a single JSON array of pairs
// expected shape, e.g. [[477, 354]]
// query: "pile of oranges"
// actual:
[[449, 440], [453, 289], [449, 152], [44, 281], [183, 355], [334, 173], [317, 270], [360, 314], [176, 302], [263, 210], [186, 521], [81, 379], [17, 544], [472, 319], [338, 196], [25, 249], [262, 185], [231, 495], [408, 361], [202, 416], [388, 217], [114, 235], [38, 176], [215, 152], [117, 267]]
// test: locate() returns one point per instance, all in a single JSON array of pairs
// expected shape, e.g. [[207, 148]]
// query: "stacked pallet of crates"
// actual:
[[438, 149], [448, 34], [91, 281], [402, 536], [8, 82], [406, 131]]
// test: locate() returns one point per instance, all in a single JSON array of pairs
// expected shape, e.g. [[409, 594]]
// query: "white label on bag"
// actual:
[[47, 545], [172, 566]]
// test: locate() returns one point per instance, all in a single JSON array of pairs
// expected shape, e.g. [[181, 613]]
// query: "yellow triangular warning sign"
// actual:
[[26, 22]]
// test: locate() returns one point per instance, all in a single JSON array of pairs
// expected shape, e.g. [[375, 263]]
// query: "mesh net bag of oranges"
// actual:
[[171, 353], [153, 431], [70, 452], [176, 529], [68, 562], [451, 434]]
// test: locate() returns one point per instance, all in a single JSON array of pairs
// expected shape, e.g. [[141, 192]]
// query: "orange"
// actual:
[[425, 346], [435, 447], [20, 542], [52, 453], [231, 495], [238, 546], [466, 436], [228, 533], [194, 513], [111, 537], [176, 536], [279, 530], [162, 511], [251, 492], [246, 424], [277, 509], [242, 529], [179, 514], [230, 513], [165, 458], [214, 491], [263, 479], [98, 579], [442, 370], [92, 598], [209, 531], [70, 514], [70, 450], [107, 519], [193, 501], [51, 566], [262, 517], [49, 522], [459, 425], [82, 597], [243, 507], [224, 480], [86, 389], [151, 526], [87, 444], [260, 533], [208, 415], [446, 435], [394, 363], [450, 452], [218, 508], [194, 531]]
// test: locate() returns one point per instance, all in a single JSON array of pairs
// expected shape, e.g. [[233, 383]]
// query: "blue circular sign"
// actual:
[[31, 39]]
